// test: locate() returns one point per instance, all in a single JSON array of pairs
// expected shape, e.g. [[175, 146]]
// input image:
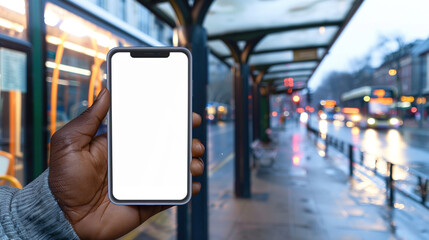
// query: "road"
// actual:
[[408, 148], [221, 163], [220, 144]]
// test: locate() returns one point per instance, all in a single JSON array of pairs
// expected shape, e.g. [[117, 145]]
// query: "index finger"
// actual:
[[196, 120]]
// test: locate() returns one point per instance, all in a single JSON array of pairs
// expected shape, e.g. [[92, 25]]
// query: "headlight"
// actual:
[[304, 117], [394, 121], [371, 121], [356, 118], [323, 116]]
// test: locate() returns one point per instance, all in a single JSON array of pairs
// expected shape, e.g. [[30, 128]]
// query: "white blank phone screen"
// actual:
[[149, 127]]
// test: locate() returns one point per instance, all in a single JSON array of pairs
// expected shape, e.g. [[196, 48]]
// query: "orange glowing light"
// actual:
[[311, 109], [296, 160], [409, 99], [421, 100], [300, 110], [274, 114], [330, 103], [379, 93], [413, 109], [392, 72], [385, 101], [348, 110], [296, 98]]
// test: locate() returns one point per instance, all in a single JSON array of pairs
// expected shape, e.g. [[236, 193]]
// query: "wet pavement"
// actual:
[[304, 196], [220, 146], [407, 147], [301, 196]]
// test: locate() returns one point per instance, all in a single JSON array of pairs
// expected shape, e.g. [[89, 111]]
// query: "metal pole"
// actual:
[[268, 110], [423, 184], [200, 53], [326, 145], [37, 90], [425, 192], [199, 204], [264, 116], [256, 112], [242, 167], [375, 165], [391, 186], [195, 38], [351, 160]]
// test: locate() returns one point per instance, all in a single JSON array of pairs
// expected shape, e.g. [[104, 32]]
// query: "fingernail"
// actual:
[[100, 94]]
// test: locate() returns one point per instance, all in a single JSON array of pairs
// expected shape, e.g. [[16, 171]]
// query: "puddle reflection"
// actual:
[[371, 143]]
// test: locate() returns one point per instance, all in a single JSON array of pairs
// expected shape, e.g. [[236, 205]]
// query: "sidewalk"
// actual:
[[304, 196]]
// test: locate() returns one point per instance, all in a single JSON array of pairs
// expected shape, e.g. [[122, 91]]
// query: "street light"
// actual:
[[392, 72], [296, 99]]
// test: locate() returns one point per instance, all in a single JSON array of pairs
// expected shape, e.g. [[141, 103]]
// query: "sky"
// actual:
[[375, 18]]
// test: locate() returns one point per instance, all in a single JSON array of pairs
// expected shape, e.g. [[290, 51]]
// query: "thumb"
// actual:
[[82, 129]]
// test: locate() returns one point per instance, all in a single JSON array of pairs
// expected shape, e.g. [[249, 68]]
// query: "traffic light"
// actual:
[[296, 99], [288, 82]]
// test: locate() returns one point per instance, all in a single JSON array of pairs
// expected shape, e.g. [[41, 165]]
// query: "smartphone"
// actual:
[[149, 126]]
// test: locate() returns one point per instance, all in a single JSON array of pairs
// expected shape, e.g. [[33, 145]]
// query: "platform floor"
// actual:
[[305, 196], [302, 196]]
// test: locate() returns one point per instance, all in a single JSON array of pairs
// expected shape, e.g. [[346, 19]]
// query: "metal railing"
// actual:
[[391, 172]]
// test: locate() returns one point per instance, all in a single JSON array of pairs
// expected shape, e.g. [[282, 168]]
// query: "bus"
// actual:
[[371, 107], [217, 112]]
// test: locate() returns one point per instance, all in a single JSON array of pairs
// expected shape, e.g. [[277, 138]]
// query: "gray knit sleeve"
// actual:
[[32, 213]]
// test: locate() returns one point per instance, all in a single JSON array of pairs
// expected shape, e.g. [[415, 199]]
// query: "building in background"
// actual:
[[409, 75], [404, 58], [421, 82]]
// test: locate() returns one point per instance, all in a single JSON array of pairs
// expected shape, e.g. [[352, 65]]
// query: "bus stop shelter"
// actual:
[[272, 46]]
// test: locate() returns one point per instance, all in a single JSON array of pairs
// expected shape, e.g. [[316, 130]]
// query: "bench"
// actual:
[[264, 154]]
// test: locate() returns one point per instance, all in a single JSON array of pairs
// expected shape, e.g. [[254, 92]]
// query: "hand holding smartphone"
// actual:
[[150, 118]]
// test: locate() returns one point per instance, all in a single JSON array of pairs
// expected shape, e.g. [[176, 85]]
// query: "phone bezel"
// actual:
[[143, 50]]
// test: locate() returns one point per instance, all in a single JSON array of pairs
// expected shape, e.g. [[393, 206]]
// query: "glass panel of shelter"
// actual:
[[13, 91], [76, 68]]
